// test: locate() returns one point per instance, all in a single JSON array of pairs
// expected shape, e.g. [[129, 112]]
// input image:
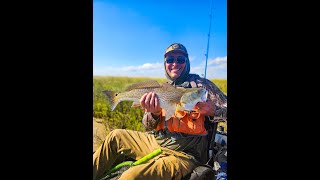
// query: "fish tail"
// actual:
[[112, 98]]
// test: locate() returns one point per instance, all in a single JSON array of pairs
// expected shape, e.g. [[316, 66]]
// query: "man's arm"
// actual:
[[150, 120], [218, 98]]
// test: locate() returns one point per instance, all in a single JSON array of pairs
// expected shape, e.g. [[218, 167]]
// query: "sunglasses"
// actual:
[[180, 59]]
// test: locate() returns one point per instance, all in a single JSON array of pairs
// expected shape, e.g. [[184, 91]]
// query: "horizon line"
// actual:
[[124, 76]]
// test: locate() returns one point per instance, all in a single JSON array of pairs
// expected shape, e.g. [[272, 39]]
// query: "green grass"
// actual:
[[124, 116]]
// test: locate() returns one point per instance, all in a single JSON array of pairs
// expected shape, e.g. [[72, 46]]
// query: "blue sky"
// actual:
[[130, 36]]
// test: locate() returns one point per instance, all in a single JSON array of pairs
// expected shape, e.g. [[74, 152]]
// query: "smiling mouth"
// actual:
[[175, 70]]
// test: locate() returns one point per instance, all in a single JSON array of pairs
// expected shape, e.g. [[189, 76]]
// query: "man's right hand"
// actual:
[[150, 103]]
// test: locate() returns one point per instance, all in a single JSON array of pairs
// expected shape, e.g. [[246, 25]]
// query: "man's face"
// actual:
[[175, 68]]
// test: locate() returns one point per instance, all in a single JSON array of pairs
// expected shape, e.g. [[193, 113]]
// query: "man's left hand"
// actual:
[[205, 108]]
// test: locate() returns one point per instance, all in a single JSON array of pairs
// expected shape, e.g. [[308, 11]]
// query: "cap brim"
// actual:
[[176, 50]]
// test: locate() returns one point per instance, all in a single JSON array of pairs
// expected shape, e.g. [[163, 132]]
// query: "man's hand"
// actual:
[[150, 103], [205, 108]]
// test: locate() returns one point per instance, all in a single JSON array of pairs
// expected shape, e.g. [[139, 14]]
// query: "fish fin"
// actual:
[[143, 84], [112, 98], [170, 111], [169, 114], [179, 107], [135, 104], [169, 87]]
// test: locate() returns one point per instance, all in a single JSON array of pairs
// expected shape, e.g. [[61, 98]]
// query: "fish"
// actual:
[[171, 98]]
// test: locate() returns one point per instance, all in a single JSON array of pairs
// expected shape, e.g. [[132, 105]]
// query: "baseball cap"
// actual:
[[176, 47]]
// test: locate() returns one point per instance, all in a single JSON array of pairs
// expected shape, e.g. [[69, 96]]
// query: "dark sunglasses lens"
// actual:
[[170, 60], [181, 59]]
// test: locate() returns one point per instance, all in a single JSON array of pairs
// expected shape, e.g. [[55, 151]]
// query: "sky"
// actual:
[[130, 36]]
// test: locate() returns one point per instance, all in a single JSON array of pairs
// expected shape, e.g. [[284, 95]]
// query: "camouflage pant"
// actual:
[[168, 165]]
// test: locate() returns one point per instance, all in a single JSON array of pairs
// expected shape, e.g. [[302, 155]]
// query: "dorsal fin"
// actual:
[[144, 84], [168, 86]]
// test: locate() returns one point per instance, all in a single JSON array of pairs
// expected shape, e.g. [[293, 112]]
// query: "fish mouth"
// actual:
[[204, 96]]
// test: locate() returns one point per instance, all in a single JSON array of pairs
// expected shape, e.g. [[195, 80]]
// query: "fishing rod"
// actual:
[[205, 69]]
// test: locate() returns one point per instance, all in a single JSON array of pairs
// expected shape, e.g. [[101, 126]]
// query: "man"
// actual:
[[183, 138]]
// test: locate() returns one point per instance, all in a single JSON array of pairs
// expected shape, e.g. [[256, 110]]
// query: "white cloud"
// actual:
[[216, 68], [146, 66], [147, 69], [191, 58], [217, 60]]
